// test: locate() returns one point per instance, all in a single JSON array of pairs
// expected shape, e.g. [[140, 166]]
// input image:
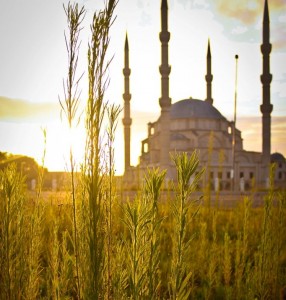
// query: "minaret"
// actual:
[[266, 77], [209, 76], [127, 121], [165, 100]]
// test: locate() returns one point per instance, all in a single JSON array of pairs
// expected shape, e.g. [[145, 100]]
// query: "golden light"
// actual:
[[60, 140]]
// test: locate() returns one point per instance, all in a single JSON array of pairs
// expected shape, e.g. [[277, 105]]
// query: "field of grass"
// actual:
[[91, 243], [143, 249]]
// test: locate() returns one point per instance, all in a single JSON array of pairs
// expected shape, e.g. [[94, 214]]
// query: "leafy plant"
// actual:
[[180, 275]]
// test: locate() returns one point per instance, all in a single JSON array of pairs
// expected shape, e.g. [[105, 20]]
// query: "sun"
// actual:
[[61, 141]]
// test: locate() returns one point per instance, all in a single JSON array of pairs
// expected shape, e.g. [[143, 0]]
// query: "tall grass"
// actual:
[[21, 235], [34, 220], [180, 275], [75, 16], [267, 257], [136, 219], [12, 235], [241, 248], [152, 250], [151, 195], [94, 194], [113, 114], [143, 224]]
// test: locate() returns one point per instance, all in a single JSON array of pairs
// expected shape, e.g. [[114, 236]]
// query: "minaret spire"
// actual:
[[165, 69], [266, 78], [209, 76], [165, 100], [127, 121]]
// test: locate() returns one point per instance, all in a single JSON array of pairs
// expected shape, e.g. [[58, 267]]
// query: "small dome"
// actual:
[[277, 157], [193, 108]]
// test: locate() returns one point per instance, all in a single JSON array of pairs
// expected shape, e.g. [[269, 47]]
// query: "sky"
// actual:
[[33, 64]]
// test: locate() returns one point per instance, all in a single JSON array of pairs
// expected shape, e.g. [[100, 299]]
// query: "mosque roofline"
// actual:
[[194, 108]]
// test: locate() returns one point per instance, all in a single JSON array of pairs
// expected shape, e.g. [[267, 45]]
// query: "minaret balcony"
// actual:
[[266, 78], [266, 48], [126, 72], [266, 108], [127, 97], [165, 70], [165, 102], [164, 36], [127, 121]]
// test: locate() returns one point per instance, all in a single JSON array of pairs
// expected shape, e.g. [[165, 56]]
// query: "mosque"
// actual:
[[194, 124]]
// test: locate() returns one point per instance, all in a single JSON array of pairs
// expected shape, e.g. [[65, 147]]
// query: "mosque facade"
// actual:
[[194, 124]]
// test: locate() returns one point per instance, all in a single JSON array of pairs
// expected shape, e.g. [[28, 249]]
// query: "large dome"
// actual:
[[193, 108]]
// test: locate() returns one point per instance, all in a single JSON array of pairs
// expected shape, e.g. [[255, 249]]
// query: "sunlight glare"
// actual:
[[60, 139]]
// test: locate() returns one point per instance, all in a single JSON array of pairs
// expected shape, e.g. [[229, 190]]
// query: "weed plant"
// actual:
[[152, 246], [180, 275], [75, 16]]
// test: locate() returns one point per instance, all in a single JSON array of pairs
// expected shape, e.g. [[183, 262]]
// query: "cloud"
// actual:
[[242, 20], [278, 5], [247, 11], [19, 110]]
